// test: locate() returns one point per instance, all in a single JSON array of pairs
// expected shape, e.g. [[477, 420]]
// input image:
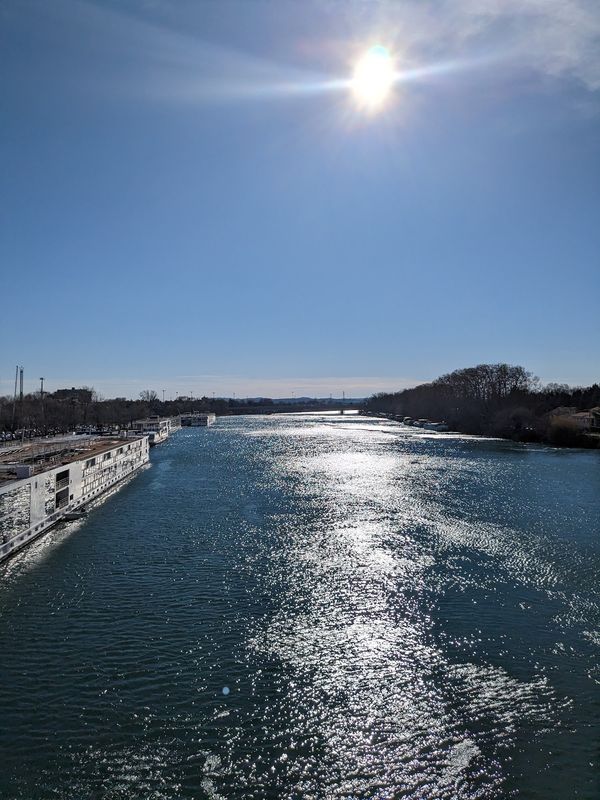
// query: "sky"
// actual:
[[192, 199]]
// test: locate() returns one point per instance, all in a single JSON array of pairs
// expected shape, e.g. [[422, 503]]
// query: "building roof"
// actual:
[[561, 410]]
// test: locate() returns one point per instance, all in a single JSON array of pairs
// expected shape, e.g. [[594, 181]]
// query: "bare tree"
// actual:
[[148, 396]]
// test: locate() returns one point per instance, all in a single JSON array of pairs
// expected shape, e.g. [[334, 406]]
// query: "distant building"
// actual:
[[78, 395], [563, 411], [583, 420], [595, 412]]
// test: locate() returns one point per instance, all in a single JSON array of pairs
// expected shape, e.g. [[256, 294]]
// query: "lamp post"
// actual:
[[42, 404]]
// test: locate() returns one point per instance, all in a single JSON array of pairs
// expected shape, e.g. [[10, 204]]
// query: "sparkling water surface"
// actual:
[[312, 606]]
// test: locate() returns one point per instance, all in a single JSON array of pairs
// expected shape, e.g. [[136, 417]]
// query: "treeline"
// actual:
[[495, 400], [66, 410], [35, 415]]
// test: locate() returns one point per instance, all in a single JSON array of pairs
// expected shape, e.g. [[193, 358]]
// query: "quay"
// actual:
[[42, 484]]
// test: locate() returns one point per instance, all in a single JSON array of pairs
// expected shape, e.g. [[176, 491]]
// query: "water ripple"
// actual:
[[315, 607]]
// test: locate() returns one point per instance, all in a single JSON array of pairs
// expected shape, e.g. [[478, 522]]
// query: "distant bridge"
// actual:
[[291, 408]]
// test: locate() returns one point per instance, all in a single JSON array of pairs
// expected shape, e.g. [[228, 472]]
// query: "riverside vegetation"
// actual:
[[496, 400], [83, 408], [491, 399]]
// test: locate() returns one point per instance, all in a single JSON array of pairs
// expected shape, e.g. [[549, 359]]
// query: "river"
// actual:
[[312, 607]]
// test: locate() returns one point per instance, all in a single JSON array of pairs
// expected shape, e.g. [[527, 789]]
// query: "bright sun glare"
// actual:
[[373, 77]]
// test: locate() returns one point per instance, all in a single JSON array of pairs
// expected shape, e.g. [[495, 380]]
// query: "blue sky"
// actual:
[[192, 200]]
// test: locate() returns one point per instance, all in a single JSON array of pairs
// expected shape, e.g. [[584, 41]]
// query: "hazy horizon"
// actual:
[[232, 386]]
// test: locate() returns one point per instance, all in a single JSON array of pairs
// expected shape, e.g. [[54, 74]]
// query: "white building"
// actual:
[[582, 420]]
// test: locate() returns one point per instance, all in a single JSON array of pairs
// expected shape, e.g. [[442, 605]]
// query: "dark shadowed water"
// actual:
[[313, 607]]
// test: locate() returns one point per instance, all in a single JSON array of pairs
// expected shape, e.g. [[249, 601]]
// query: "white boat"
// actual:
[[197, 420], [436, 426], [157, 429], [42, 484], [156, 437]]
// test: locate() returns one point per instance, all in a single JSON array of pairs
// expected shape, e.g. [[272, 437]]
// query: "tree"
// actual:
[[487, 398], [148, 396]]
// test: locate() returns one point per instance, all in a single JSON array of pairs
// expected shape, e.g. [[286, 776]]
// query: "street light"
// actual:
[[42, 403]]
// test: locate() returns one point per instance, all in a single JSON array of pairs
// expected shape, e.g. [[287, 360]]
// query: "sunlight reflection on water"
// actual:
[[313, 607], [356, 626]]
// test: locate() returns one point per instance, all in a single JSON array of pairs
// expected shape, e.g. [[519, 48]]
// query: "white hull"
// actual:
[[197, 420], [32, 505]]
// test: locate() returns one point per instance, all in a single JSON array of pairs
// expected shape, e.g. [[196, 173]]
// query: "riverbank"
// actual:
[[503, 401], [565, 437]]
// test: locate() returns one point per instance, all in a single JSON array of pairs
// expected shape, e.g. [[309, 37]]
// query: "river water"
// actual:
[[313, 606]]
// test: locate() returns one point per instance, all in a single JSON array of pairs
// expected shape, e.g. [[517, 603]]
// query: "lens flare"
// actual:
[[373, 77]]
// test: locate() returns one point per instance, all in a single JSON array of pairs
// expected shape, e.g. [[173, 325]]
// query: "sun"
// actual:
[[373, 77]]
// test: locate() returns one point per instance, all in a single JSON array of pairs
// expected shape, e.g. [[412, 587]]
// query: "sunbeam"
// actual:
[[371, 83]]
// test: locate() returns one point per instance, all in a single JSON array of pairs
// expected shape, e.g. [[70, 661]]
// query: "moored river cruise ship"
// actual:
[[42, 484], [196, 419], [155, 428]]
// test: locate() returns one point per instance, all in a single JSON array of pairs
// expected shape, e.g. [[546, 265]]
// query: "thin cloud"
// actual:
[[558, 38]]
